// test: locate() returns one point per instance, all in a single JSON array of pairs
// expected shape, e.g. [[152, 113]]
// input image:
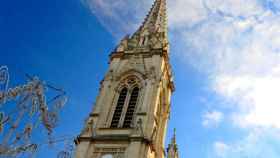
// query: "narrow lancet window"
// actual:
[[119, 108], [131, 108]]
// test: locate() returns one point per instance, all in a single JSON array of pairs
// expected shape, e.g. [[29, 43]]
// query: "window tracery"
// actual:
[[131, 108], [125, 108], [119, 108]]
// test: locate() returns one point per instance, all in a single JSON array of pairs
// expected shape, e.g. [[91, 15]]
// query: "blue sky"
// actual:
[[225, 57]]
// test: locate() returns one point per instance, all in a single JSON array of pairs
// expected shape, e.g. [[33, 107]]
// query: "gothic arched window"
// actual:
[[123, 113], [119, 108], [131, 108]]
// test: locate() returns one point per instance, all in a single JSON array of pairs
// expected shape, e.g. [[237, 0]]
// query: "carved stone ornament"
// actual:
[[132, 42], [152, 74], [133, 62], [123, 45], [138, 129], [130, 82], [109, 75], [89, 128]]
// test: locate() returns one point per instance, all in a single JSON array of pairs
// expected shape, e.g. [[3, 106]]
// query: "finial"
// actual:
[[174, 136], [172, 149]]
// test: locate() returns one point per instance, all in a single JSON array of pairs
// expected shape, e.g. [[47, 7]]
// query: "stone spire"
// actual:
[[156, 20], [172, 150], [152, 34]]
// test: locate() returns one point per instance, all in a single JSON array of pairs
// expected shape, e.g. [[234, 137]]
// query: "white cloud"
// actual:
[[258, 97], [243, 8], [259, 143], [221, 149], [120, 17], [212, 119], [184, 13], [250, 75], [241, 56]]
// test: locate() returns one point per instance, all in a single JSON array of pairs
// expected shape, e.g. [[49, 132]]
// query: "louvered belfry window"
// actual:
[[125, 108], [131, 108], [119, 108]]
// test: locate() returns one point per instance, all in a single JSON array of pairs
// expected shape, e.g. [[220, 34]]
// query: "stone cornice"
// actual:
[[113, 138]]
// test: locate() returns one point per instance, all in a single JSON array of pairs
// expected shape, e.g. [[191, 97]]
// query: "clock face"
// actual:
[[107, 156]]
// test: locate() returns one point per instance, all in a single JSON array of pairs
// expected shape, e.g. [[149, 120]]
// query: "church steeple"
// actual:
[[172, 150], [152, 34], [130, 116], [156, 20]]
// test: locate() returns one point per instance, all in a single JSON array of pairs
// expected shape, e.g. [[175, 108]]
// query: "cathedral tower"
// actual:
[[129, 119]]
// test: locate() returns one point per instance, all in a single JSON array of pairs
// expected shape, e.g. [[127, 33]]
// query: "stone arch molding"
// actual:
[[131, 79]]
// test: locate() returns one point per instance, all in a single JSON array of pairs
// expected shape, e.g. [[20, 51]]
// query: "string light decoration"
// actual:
[[27, 116]]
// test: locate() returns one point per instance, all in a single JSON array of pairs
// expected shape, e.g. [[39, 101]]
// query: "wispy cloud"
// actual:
[[186, 13], [238, 46], [221, 149], [120, 17], [259, 143], [212, 119]]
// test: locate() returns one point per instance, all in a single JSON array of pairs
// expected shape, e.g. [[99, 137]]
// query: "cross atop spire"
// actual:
[[152, 34]]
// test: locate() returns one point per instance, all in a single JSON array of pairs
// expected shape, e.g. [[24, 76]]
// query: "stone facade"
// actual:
[[129, 118]]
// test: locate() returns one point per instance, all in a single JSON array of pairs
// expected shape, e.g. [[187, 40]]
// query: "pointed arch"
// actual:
[[131, 72], [131, 108], [124, 108], [119, 108]]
